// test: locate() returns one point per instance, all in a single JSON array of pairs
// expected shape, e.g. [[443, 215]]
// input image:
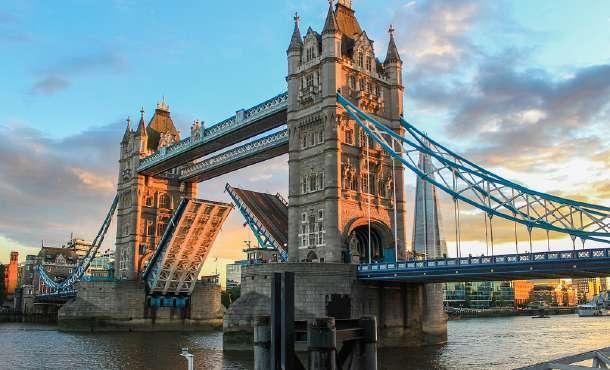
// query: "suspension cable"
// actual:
[[486, 237], [515, 222], [491, 232], [368, 186], [395, 205], [425, 210]]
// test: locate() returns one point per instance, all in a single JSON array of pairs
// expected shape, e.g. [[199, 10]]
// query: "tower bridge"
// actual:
[[343, 228]]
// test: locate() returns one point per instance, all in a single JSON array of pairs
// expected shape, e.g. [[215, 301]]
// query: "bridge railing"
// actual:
[[234, 154], [522, 258], [240, 119]]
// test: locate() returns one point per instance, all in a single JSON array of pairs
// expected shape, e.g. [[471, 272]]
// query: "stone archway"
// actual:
[[311, 257], [358, 240]]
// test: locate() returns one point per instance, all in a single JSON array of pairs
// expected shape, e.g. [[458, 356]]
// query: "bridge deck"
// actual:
[[185, 245], [243, 125], [269, 210], [242, 156], [560, 264]]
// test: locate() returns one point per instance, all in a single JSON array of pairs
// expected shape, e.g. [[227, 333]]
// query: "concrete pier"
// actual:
[[408, 315], [121, 306]]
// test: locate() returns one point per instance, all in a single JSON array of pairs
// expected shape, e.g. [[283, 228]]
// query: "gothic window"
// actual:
[[312, 139], [309, 80], [362, 84], [369, 88], [377, 90], [352, 82], [304, 184], [372, 184], [150, 228], [369, 64], [164, 201], [349, 136], [312, 230], [321, 136], [148, 201], [304, 140], [365, 184], [360, 60], [312, 182], [321, 181]]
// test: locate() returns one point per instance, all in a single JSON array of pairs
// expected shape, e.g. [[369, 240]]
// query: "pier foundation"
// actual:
[[408, 315]]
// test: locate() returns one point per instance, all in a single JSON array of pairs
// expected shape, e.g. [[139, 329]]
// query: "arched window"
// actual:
[[164, 201], [311, 256], [312, 182]]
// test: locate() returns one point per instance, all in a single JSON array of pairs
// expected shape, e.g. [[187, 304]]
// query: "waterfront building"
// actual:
[[545, 294], [102, 266], [480, 294], [11, 275], [233, 276], [523, 290], [57, 262], [565, 294], [587, 288], [79, 246]]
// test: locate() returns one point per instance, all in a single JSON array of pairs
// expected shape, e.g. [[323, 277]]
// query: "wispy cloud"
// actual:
[[58, 76]]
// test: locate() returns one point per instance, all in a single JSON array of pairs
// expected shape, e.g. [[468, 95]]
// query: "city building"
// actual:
[[102, 266], [544, 294], [11, 274], [523, 290], [587, 288], [565, 294], [233, 278], [79, 246], [56, 262], [480, 294]]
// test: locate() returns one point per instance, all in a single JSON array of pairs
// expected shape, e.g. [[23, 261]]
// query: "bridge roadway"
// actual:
[[555, 264], [244, 124]]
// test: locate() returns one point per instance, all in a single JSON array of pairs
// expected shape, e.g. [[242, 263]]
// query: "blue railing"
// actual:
[[243, 151], [507, 259], [240, 119]]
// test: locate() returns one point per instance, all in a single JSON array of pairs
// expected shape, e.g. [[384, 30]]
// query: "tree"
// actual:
[[230, 295]]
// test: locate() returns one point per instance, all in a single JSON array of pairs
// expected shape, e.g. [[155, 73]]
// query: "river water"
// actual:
[[484, 343]]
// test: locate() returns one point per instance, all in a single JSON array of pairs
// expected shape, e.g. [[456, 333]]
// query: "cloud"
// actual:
[[9, 31], [56, 186], [49, 85], [59, 76]]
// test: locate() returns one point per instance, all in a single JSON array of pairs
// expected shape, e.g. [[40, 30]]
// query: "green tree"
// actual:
[[230, 295]]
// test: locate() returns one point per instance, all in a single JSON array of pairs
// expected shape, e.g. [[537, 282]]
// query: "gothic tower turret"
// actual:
[[145, 203], [338, 185]]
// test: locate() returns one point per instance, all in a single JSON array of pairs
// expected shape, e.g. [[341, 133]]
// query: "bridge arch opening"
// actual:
[[358, 241]]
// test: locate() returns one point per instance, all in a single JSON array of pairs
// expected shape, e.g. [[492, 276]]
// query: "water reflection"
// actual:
[[494, 343]]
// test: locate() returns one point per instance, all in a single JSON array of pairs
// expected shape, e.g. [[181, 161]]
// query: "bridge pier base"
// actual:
[[122, 306], [408, 315]]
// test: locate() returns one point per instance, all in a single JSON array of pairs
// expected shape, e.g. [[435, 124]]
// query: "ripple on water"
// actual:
[[490, 343]]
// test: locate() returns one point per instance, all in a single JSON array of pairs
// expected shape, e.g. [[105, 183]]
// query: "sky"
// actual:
[[520, 87]]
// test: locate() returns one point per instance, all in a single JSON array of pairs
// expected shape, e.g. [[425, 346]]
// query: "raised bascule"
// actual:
[[342, 229]]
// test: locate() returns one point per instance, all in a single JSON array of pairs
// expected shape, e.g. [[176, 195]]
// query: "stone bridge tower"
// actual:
[[336, 183], [146, 203]]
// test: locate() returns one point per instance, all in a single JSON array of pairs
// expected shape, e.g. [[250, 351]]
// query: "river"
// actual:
[[482, 343]]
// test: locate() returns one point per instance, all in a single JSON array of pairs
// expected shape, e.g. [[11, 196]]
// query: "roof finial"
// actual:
[[391, 30], [142, 112], [296, 18], [128, 120]]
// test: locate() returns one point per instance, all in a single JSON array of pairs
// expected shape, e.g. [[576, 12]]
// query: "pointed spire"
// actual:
[[330, 26], [296, 42], [127, 131], [141, 125], [392, 56]]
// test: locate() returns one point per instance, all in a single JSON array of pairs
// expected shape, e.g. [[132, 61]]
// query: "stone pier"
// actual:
[[121, 306], [408, 315]]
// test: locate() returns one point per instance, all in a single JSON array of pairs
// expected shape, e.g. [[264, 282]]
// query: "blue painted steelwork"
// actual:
[[583, 262], [235, 154], [263, 236], [67, 285], [472, 184], [151, 274], [56, 297], [240, 119]]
